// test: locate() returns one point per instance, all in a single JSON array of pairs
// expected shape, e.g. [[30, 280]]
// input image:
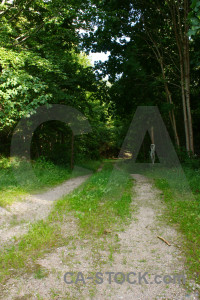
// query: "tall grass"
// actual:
[[46, 174]]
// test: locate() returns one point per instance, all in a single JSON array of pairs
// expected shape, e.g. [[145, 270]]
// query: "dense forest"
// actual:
[[154, 60]]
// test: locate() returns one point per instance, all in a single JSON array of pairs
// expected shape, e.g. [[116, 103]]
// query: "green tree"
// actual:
[[146, 28], [194, 17]]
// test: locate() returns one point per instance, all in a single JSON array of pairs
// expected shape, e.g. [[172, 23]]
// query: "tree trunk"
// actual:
[[159, 58], [152, 135], [72, 152], [184, 108], [171, 114], [187, 75], [180, 25]]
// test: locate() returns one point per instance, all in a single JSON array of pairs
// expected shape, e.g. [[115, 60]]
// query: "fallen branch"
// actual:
[[161, 238], [106, 231]]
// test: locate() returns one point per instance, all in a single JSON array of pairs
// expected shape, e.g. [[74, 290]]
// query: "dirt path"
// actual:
[[16, 219], [136, 249], [141, 251]]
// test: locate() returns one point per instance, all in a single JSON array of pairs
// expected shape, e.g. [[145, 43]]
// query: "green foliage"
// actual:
[[47, 175], [194, 18], [182, 153], [41, 64], [20, 92]]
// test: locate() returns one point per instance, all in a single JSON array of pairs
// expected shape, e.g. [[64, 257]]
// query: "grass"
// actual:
[[47, 175], [183, 209], [106, 196], [41, 236], [101, 203], [181, 192]]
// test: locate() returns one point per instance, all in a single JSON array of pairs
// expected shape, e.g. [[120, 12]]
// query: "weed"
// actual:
[[47, 175], [183, 209], [97, 207]]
